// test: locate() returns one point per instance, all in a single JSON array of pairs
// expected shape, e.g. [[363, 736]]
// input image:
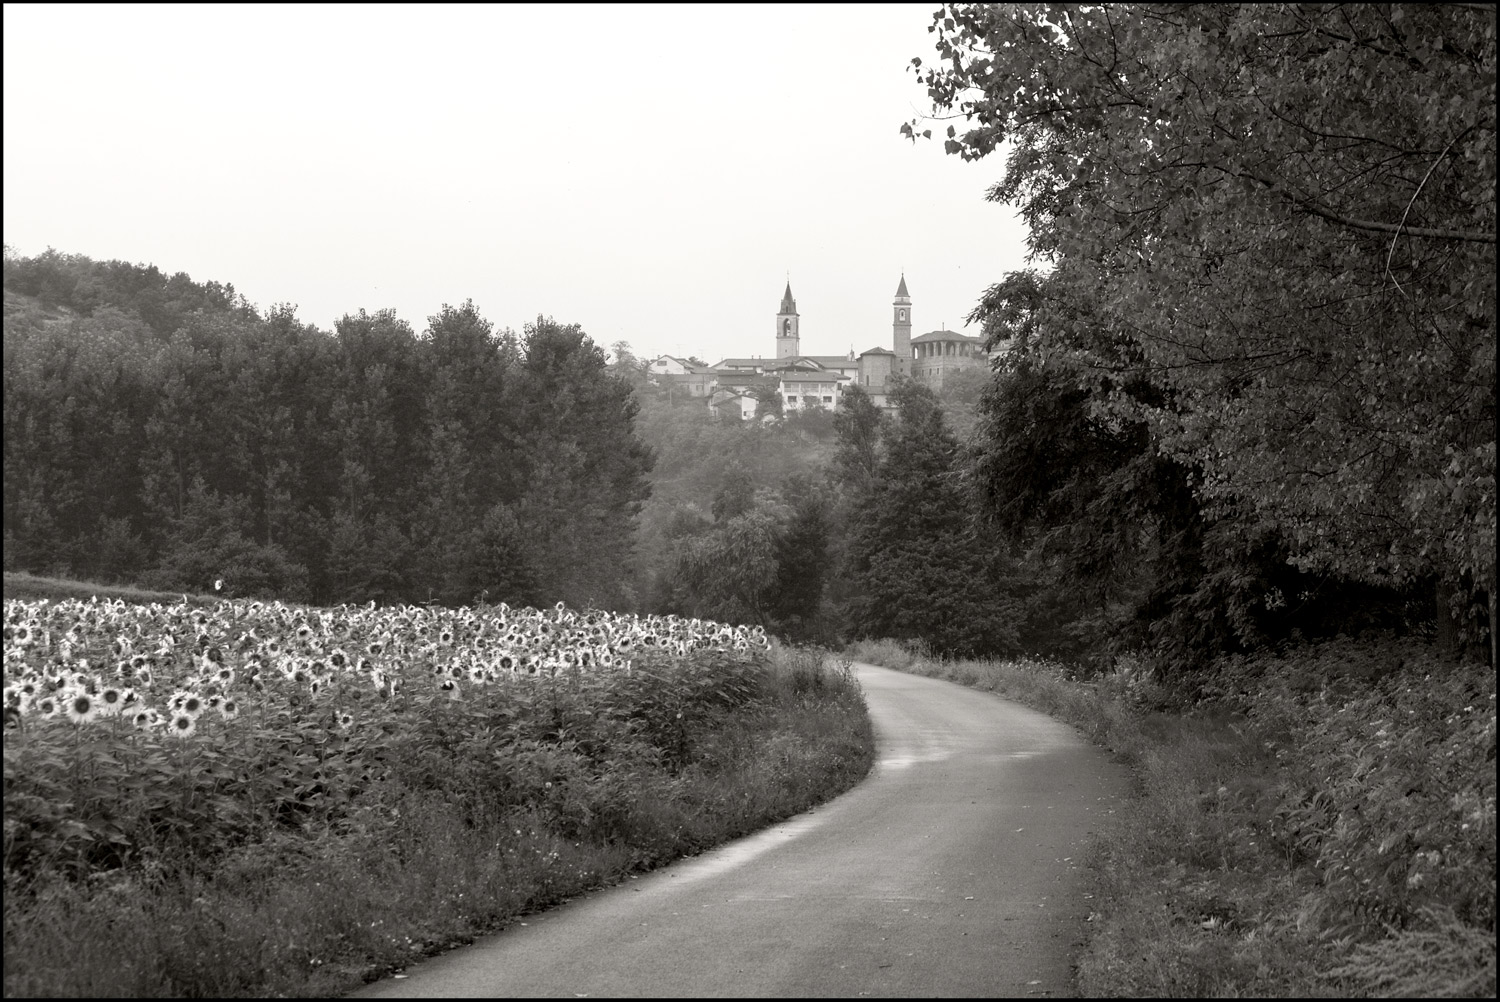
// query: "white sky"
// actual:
[[652, 173]]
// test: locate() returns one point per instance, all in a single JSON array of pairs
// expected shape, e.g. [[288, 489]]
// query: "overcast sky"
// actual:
[[654, 174]]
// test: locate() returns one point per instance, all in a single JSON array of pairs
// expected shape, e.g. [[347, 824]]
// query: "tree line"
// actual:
[[162, 431]]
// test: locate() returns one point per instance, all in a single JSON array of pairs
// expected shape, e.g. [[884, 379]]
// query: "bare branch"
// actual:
[[1392, 251]]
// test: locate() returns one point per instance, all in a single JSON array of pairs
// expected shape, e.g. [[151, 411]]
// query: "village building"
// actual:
[[667, 365], [938, 354], [805, 381]]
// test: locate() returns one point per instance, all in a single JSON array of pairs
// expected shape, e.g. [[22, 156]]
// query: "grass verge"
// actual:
[[1319, 823]]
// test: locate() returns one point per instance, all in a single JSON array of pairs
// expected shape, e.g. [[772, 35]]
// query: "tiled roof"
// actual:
[[901, 292], [877, 351], [824, 376], [735, 378], [811, 361]]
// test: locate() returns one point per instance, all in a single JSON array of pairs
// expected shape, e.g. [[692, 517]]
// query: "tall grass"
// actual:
[[1320, 823]]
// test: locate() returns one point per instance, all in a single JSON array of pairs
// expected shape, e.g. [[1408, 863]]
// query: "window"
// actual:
[[791, 400], [828, 400]]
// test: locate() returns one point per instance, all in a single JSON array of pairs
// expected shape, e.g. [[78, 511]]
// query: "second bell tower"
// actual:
[[901, 328]]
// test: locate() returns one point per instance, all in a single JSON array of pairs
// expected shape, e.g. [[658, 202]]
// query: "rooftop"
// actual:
[[946, 336]]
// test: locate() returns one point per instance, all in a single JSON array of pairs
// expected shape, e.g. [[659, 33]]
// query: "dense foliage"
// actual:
[[162, 431], [914, 568], [1270, 236], [738, 523]]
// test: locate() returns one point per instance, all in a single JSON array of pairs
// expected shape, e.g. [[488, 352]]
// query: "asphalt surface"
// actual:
[[954, 869]]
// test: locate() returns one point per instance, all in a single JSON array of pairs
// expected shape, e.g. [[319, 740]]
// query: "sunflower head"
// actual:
[[80, 707]]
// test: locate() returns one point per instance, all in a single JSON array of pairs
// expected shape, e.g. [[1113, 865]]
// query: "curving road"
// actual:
[[955, 869]]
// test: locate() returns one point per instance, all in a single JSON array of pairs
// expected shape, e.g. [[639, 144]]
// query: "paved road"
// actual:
[[955, 869]]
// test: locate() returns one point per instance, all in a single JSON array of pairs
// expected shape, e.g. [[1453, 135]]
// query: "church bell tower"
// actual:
[[788, 338], [901, 328]]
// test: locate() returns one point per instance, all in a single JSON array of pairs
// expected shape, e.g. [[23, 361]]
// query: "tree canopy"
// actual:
[[1287, 215]]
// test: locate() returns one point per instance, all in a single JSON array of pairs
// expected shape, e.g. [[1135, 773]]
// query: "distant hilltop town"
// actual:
[[805, 381]]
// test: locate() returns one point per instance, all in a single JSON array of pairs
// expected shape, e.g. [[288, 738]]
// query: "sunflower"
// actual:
[[191, 703], [48, 706], [345, 721], [144, 719], [182, 725], [111, 701], [229, 708], [80, 706]]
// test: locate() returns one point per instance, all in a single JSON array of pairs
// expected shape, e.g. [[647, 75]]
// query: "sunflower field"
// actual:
[[212, 752]]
